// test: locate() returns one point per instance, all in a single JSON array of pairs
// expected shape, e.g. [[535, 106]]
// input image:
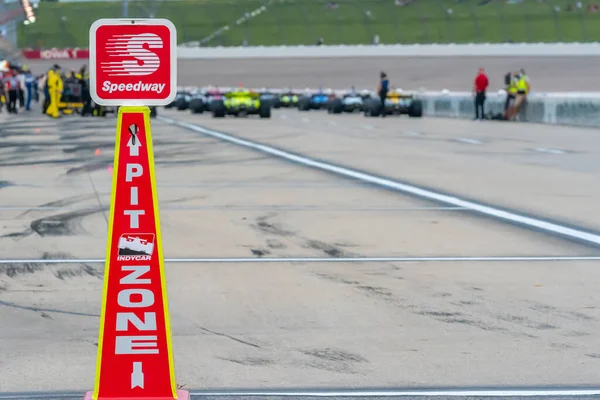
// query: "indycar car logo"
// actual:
[[134, 55], [136, 244]]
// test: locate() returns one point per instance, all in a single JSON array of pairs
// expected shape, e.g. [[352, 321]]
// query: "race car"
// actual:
[[268, 96], [71, 99], [396, 103], [201, 101], [198, 102], [102, 111], [180, 94], [315, 101], [287, 99], [240, 102], [349, 102], [182, 103]]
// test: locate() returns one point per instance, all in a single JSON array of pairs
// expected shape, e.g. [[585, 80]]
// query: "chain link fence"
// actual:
[[309, 22]]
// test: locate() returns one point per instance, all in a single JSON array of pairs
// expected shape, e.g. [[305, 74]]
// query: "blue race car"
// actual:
[[315, 101]]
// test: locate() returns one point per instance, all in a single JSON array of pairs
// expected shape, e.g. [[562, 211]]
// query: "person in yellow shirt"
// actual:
[[511, 94], [55, 89], [523, 88]]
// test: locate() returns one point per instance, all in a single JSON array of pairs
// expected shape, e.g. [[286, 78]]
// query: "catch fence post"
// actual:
[[475, 23], [584, 33], [503, 23], [559, 36]]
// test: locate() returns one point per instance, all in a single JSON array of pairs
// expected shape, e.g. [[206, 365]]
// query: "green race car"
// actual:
[[288, 99], [240, 102]]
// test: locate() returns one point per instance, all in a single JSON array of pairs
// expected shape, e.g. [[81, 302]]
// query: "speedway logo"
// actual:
[[135, 54], [110, 87], [133, 62]]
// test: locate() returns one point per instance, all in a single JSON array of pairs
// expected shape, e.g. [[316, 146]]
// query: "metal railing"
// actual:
[[307, 22]]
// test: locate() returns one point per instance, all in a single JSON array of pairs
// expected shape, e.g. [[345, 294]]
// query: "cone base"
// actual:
[[181, 395]]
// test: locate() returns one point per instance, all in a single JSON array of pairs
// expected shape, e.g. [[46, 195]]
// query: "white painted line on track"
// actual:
[[234, 260], [409, 393], [490, 211], [548, 151], [469, 141]]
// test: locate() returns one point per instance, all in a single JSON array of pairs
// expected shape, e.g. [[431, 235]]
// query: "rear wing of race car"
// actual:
[[245, 93], [321, 95], [400, 95]]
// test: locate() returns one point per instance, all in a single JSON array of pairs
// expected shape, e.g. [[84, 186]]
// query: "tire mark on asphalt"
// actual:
[[98, 198]]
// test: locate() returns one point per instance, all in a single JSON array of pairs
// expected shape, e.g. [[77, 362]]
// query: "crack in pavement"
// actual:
[[229, 337], [45, 310]]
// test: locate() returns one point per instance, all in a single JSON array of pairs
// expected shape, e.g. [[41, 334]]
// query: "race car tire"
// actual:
[[336, 106], [415, 110], [264, 110], [218, 109], [197, 106], [181, 104], [372, 108], [304, 104], [328, 106]]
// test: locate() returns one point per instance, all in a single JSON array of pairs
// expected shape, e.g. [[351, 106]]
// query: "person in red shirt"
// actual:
[[479, 88]]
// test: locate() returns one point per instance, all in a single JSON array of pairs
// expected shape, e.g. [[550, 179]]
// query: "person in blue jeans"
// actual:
[[384, 87], [29, 82]]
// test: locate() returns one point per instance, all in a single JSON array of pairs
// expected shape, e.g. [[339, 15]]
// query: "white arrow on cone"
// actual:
[[134, 143], [137, 376]]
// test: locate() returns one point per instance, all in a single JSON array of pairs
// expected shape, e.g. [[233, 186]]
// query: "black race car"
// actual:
[[181, 94], [103, 111], [315, 101], [287, 99], [267, 96], [183, 102], [349, 102], [202, 100], [396, 103]]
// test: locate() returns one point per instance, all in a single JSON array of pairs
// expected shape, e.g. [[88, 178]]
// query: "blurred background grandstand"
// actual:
[[13, 14], [308, 22]]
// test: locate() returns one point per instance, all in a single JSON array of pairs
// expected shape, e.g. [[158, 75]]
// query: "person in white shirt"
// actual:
[[13, 91], [29, 87], [21, 93]]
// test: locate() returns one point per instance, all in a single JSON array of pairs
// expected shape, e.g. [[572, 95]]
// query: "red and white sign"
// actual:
[[56, 54], [133, 62], [135, 358]]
